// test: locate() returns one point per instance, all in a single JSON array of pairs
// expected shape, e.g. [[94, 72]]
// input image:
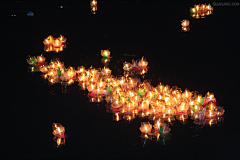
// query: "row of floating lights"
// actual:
[[201, 10], [54, 44], [127, 97]]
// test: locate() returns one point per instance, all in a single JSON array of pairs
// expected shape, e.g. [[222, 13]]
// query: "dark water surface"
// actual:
[[205, 59]]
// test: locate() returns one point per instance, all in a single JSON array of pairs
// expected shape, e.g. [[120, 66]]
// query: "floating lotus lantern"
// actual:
[[209, 97], [62, 39], [185, 25], [40, 59], [48, 41], [164, 129], [106, 72], [44, 69], [93, 4], [158, 124], [105, 53], [32, 60], [183, 108], [220, 111], [146, 127], [127, 66], [58, 130], [143, 63]]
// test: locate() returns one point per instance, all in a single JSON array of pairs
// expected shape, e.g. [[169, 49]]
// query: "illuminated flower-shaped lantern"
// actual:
[[130, 106], [186, 95], [105, 53], [192, 10], [143, 63], [93, 4], [185, 25], [64, 77], [209, 97], [44, 69], [40, 60], [158, 124], [209, 9], [106, 72], [58, 130], [182, 108], [132, 83], [220, 111], [127, 66], [59, 134], [199, 100], [141, 66], [94, 9], [143, 109], [116, 104], [71, 72], [62, 39], [140, 90], [32, 60], [48, 41], [122, 82], [164, 129], [36, 62], [145, 127]]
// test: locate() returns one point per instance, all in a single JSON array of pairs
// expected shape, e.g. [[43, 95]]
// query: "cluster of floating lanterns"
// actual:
[[55, 71], [198, 11], [201, 10], [93, 5], [59, 134], [127, 97], [54, 44]]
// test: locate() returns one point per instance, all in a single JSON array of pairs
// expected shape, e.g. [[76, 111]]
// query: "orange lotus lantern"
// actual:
[[93, 4], [41, 59], [185, 25], [58, 130], [48, 41], [127, 66], [62, 39], [145, 127]]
